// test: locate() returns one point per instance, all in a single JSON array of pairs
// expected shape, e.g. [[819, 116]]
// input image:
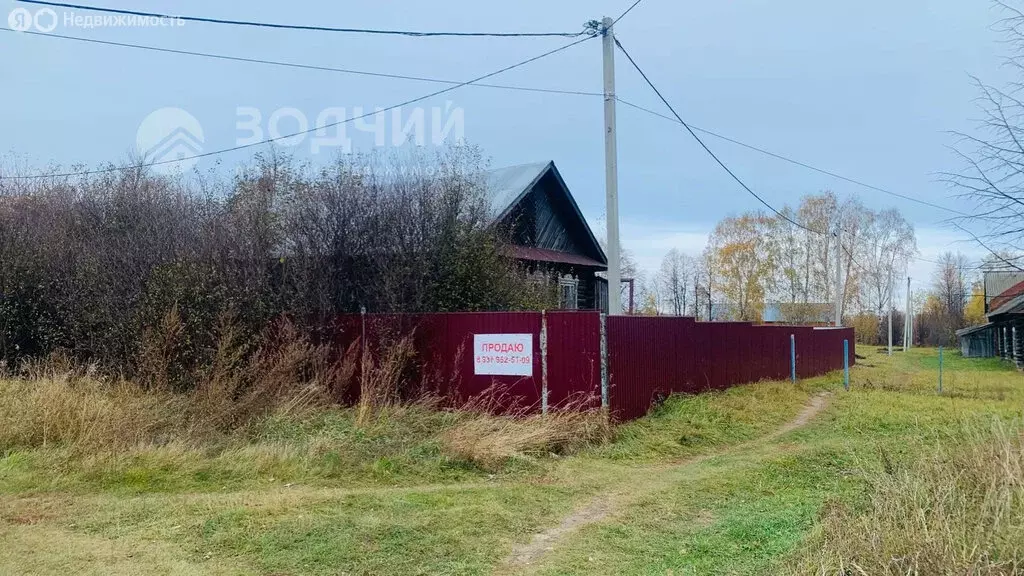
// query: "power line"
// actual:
[[384, 32], [296, 65], [331, 125], [798, 162], [691, 130], [705, 146], [457, 84], [481, 85], [628, 10]]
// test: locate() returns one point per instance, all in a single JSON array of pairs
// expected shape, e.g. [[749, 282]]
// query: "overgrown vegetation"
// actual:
[[879, 481], [136, 272], [892, 478], [493, 441], [958, 511], [272, 411]]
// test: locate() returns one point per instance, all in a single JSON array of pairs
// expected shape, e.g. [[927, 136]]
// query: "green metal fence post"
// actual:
[[846, 365], [792, 357]]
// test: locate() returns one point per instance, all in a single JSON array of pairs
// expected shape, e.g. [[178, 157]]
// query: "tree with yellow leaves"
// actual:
[[974, 312], [743, 263]]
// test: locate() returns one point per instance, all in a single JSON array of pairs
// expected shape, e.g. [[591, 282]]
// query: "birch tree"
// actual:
[[674, 281], [743, 263]]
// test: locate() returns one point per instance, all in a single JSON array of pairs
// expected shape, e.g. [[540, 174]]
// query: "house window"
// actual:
[[568, 291]]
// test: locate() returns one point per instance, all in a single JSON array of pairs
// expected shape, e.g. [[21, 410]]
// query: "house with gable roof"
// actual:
[[548, 233]]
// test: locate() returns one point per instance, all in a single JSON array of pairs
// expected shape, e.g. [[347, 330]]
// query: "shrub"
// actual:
[[134, 271]]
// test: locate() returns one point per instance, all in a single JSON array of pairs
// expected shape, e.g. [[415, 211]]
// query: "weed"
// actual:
[[958, 511], [492, 441]]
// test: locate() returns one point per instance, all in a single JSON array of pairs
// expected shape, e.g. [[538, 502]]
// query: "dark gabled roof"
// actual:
[[507, 187], [972, 329]]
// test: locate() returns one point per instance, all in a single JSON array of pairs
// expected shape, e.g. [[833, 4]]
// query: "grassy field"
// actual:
[[887, 478]]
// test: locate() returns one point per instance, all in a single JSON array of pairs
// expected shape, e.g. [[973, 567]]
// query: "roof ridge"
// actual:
[[522, 165]]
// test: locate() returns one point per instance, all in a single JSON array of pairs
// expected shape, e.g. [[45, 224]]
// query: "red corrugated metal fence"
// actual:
[[647, 358]]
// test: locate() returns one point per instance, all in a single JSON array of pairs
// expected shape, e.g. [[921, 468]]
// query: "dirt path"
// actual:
[[526, 556]]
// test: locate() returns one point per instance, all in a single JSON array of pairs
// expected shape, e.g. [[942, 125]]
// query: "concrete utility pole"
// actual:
[[889, 304], [906, 321], [839, 280], [611, 182], [911, 340]]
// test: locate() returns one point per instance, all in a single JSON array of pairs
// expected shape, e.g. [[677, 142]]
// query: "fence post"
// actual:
[[792, 357], [846, 365], [543, 362], [604, 362], [940, 369], [362, 346]]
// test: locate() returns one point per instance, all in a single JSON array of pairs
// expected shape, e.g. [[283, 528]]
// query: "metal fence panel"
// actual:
[[647, 357], [516, 392], [574, 358]]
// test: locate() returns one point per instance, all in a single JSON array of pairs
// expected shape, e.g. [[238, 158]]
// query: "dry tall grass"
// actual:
[[381, 378], [490, 441], [283, 375], [55, 404], [958, 512], [286, 374], [83, 414]]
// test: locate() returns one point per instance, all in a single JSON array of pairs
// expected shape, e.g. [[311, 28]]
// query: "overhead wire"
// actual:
[[993, 252], [691, 129], [296, 65], [707, 149], [250, 23], [705, 146], [386, 75], [798, 162], [302, 132], [454, 85], [628, 10]]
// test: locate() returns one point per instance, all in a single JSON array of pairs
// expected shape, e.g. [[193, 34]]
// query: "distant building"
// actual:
[[978, 341], [806, 314], [549, 233], [1001, 286], [1003, 334]]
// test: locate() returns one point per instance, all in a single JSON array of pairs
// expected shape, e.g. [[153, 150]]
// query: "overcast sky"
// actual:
[[866, 89]]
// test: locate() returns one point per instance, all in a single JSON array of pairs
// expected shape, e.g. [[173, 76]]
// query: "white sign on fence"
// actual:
[[503, 354]]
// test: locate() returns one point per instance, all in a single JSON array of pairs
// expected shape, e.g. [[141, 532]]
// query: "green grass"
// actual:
[[322, 449], [320, 496], [749, 512], [685, 426]]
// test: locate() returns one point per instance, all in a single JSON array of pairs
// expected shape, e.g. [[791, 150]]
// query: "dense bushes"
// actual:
[[111, 267]]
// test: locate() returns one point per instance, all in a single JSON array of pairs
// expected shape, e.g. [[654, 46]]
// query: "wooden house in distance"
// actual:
[[549, 234], [1003, 334]]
